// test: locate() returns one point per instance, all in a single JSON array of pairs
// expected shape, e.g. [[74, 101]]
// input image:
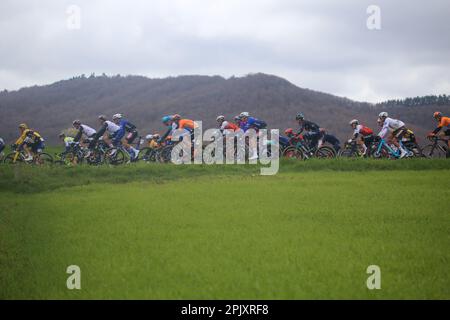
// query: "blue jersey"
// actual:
[[253, 123], [125, 126]]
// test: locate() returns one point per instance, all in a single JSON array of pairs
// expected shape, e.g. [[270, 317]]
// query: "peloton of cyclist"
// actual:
[[31, 140], [443, 122], [362, 135], [128, 128], [397, 129]]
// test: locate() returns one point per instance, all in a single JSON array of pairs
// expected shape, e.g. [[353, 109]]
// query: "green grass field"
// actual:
[[196, 232]]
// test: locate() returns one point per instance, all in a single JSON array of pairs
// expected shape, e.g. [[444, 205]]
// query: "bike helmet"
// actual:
[[220, 118], [244, 115], [102, 117], [383, 115], [62, 134], [166, 119], [289, 132], [237, 118], [149, 137], [354, 121], [76, 122], [437, 114], [300, 116], [117, 116], [23, 126]]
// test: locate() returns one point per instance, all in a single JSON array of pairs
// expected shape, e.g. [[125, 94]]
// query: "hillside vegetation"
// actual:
[[52, 108]]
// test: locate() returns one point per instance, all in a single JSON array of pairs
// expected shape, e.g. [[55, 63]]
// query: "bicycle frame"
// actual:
[[392, 152]]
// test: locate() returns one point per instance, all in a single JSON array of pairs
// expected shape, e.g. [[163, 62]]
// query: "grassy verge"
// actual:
[[26, 179]]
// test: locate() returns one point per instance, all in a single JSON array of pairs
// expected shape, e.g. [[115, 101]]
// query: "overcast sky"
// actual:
[[318, 44]]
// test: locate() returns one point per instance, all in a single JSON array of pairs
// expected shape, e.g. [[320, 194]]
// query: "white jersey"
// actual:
[[390, 125], [88, 131], [111, 127]]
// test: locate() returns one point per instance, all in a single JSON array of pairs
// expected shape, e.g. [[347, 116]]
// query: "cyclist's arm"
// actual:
[[21, 139], [78, 135], [436, 131], [384, 130], [165, 135]]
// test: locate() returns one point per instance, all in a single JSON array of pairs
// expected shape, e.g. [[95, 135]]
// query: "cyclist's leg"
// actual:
[[37, 148], [447, 135], [27, 148], [128, 144]]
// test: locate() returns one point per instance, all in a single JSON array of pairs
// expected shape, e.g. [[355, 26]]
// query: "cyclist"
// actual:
[[325, 137], [237, 121], [247, 122], [293, 137], [226, 125], [397, 129], [31, 140], [311, 129], [83, 129], [126, 127], [442, 122], [365, 134], [68, 141], [152, 140], [2, 145], [168, 122], [107, 126]]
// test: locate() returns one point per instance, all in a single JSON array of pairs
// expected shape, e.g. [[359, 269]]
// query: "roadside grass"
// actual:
[[228, 233], [31, 179]]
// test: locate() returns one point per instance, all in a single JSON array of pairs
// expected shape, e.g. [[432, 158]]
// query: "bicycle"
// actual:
[[381, 149], [300, 150], [437, 149], [75, 155], [351, 150], [119, 155], [19, 156]]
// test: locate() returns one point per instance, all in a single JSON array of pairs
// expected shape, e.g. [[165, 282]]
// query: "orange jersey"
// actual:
[[445, 122], [186, 124]]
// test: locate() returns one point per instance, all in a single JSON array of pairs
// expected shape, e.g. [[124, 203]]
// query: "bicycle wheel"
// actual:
[[325, 153], [147, 155], [347, 153], [293, 153], [43, 159], [434, 151], [9, 159], [165, 155], [114, 157], [95, 158]]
